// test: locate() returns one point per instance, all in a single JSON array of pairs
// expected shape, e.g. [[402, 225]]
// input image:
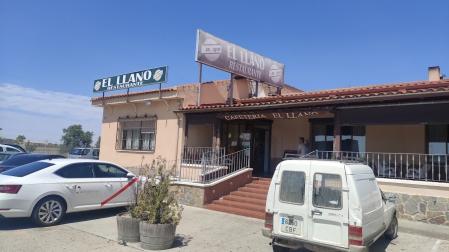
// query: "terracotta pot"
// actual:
[[128, 228], [156, 236]]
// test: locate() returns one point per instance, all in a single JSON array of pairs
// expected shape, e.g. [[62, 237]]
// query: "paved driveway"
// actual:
[[200, 230]]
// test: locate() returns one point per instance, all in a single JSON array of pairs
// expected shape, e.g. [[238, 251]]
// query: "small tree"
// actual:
[[20, 139], [74, 136]]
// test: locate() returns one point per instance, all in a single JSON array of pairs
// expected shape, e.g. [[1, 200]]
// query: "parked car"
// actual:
[[10, 148], [24, 158], [90, 153], [46, 190], [6, 155], [322, 205]]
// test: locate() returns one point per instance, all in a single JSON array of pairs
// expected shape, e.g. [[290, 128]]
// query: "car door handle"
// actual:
[[316, 212], [108, 185]]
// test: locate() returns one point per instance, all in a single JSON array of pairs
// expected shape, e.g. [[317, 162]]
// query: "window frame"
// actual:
[[121, 139], [313, 191], [303, 193]]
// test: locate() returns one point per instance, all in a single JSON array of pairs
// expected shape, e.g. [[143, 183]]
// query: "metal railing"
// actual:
[[208, 168], [412, 166], [200, 155]]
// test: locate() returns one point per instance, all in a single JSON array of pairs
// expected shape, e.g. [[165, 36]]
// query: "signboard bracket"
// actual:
[[200, 80], [231, 90]]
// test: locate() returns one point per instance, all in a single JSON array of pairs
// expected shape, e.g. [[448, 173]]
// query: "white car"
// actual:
[[327, 205], [9, 148], [46, 190]]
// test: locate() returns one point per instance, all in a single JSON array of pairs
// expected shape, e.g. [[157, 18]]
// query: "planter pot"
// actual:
[[128, 228], [157, 236]]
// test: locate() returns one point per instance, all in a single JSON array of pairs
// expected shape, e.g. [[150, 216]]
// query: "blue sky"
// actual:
[[57, 48]]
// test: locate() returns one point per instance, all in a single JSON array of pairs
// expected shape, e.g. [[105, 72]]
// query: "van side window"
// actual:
[[292, 187], [327, 191]]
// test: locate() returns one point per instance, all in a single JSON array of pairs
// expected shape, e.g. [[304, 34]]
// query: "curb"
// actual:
[[425, 229]]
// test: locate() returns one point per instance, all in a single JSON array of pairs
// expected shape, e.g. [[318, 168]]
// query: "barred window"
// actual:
[[137, 135]]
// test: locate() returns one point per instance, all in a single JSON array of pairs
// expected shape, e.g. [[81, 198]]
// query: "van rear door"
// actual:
[[328, 212], [290, 209]]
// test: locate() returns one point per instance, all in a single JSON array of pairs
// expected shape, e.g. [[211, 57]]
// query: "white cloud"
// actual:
[[41, 115]]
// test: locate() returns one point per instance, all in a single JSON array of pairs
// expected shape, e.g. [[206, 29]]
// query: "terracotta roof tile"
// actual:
[[342, 94]]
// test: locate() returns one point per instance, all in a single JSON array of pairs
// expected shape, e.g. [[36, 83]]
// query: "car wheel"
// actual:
[[277, 248], [392, 231], [49, 211]]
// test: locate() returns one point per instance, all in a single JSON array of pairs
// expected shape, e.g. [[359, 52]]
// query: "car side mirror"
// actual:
[[392, 198], [130, 175]]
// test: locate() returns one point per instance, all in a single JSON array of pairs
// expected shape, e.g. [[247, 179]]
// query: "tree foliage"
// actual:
[[74, 136], [20, 139], [156, 202]]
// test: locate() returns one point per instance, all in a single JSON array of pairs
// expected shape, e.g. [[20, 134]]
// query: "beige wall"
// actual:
[[168, 131], [395, 138], [199, 135]]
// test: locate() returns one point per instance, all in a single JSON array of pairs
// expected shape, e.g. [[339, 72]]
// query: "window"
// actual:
[[353, 138], [23, 170], [108, 171], [11, 150], [79, 170], [322, 137], [327, 191], [438, 139], [292, 187], [137, 135]]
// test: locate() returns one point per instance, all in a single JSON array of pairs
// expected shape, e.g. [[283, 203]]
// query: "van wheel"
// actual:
[[392, 231], [48, 211], [277, 248]]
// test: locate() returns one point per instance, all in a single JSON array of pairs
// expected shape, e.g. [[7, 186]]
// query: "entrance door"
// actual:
[[261, 151], [328, 212]]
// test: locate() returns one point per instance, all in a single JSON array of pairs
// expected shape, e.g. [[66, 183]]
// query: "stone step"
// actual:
[[241, 205], [250, 195], [260, 202], [261, 182], [238, 211]]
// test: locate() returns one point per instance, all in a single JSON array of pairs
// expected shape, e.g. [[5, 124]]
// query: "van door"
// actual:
[[290, 209], [328, 204]]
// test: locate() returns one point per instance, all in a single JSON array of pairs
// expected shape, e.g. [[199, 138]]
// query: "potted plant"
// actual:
[[128, 222], [158, 208]]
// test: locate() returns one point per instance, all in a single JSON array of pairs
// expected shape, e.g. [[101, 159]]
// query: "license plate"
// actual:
[[291, 224]]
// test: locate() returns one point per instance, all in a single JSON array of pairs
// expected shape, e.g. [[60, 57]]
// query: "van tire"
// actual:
[[392, 231], [277, 248]]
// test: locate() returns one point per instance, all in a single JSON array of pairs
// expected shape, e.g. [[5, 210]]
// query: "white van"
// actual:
[[84, 153], [326, 205]]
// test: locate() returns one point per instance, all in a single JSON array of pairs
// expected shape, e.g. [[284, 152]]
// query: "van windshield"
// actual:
[[79, 151]]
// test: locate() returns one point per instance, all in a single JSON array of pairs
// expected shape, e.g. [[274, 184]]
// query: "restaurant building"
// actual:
[[401, 130]]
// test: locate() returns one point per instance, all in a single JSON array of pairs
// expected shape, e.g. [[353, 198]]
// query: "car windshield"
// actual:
[[79, 151], [24, 170]]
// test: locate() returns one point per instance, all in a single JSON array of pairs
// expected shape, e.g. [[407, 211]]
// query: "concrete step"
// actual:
[[261, 182], [241, 205], [253, 190], [262, 179], [238, 211], [260, 202], [250, 195]]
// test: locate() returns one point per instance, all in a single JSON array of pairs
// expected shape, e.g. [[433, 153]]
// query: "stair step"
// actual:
[[260, 202], [261, 182], [254, 190], [250, 195], [260, 186], [238, 211], [241, 205], [262, 179]]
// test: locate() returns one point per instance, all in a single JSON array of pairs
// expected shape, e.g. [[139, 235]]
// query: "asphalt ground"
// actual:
[[199, 230]]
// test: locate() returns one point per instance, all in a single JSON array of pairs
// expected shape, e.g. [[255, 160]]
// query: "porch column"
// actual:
[[216, 133], [337, 132]]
